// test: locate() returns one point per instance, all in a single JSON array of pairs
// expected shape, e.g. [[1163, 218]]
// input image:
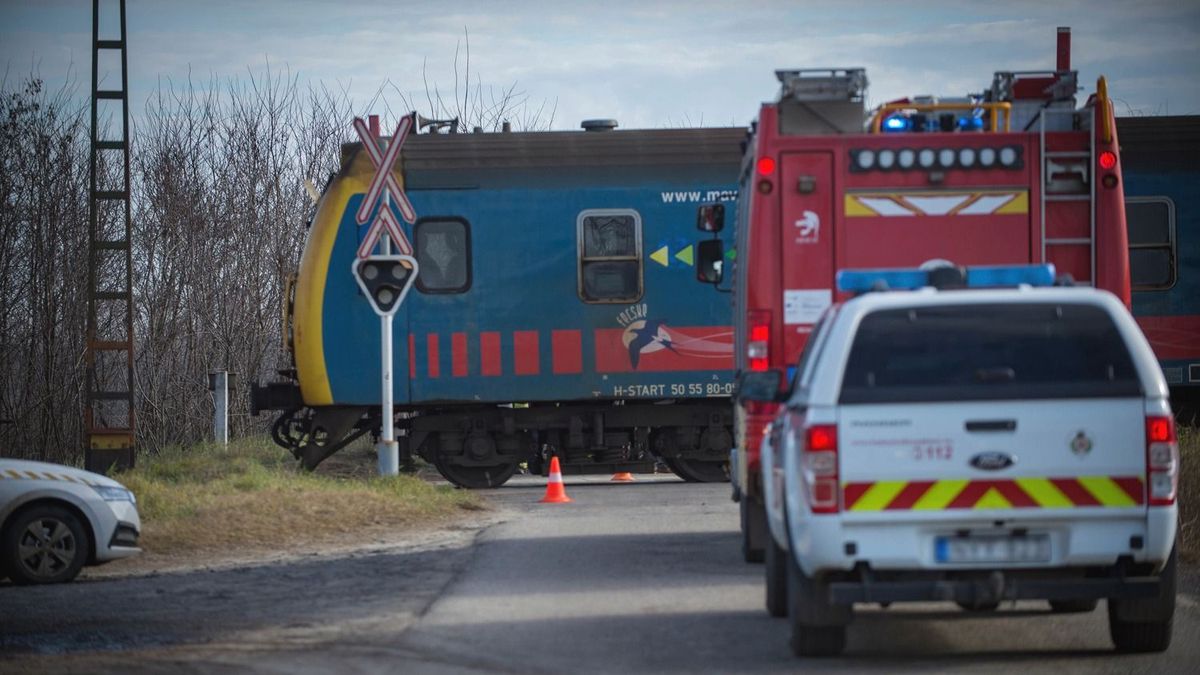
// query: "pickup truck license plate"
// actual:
[[1027, 549]]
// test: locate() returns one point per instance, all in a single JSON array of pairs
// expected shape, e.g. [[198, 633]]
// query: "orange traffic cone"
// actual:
[[555, 493], [622, 477]]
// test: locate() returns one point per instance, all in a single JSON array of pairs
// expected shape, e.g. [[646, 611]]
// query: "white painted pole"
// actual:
[[221, 407], [388, 450]]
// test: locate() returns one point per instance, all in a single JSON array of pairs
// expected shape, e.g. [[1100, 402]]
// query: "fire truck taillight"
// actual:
[[819, 465], [1108, 159], [758, 347], [766, 169]]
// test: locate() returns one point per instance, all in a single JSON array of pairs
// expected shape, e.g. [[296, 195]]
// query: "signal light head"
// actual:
[[385, 280]]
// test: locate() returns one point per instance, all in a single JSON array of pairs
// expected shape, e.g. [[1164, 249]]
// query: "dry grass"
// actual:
[[1189, 493], [252, 496]]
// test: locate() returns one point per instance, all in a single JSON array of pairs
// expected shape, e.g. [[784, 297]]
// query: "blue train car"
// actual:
[[1161, 166], [556, 307]]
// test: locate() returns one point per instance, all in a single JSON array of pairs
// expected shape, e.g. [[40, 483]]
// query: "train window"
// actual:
[[443, 251], [610, 255], [1152, 253]]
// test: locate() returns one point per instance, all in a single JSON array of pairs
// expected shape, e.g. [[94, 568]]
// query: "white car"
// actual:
[[974, 445], [55, 519]]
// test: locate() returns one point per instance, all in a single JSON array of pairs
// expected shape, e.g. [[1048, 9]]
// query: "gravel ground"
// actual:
[[182, 611]]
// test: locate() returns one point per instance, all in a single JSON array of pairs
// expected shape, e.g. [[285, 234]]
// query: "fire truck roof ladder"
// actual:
[[109, 411], [1078, 187]]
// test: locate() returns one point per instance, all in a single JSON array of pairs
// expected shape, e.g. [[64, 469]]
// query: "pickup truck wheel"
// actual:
[[777, 573], [754, 529], [1073, 606], [818, 627], [1144, 625]]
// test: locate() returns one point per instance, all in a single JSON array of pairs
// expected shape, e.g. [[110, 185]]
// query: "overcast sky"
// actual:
[[647, 63]]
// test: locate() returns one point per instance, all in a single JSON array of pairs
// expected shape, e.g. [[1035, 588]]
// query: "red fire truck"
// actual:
[[1019, 173]]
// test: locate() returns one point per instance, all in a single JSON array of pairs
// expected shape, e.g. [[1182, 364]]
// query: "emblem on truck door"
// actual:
[[1081, 444], [992, 461], [808, 228]]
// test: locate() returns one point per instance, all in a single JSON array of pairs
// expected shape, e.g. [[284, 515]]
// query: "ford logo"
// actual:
[[992, 461]]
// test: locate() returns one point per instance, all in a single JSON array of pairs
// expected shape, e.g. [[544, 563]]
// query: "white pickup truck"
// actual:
[[974, 445]]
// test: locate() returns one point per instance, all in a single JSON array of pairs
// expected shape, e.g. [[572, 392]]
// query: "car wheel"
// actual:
[[1073, 606], [1145, 625], [777, 573], [44, 545], [754, 529], [818, 627]]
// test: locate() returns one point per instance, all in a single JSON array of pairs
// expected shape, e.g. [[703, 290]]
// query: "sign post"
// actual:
[[385, 278]]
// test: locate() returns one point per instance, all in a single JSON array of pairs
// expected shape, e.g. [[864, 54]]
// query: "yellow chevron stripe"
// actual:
[[1042, 491], [879, 495], [992, 499], [1106, 491], [14, 473], [856, 208], [1018, 205], [939, 495]]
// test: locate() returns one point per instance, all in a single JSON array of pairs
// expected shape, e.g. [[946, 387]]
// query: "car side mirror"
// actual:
[[759, 385], [710, 218], [710, 261]]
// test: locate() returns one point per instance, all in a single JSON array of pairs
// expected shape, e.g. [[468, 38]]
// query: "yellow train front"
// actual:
[[556, 309]]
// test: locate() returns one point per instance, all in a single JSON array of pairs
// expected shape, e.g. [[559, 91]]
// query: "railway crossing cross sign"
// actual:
[[383, 188]]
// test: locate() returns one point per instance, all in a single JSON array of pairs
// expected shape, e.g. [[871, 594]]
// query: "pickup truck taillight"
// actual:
[[758, 347], [819, 464], [1162, 460]]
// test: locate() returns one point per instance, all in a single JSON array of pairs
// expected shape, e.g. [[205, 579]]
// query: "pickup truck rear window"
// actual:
[[988, 351]]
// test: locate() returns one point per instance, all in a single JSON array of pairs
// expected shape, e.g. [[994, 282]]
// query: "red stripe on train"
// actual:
[[566, 348], [525, 352], [458, 354], [434, 369], [412, 356], [489, 354]]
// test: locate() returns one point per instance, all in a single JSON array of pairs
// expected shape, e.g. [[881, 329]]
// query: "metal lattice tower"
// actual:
[[109, 412]]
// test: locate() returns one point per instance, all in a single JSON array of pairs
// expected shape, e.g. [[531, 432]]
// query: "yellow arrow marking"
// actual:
[[685, 256], [660, 256]]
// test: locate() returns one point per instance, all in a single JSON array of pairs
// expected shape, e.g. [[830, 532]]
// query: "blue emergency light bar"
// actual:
[[988, 276]]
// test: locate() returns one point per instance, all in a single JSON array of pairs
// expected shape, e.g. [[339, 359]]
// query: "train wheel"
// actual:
[[474, 477], [695, 471]]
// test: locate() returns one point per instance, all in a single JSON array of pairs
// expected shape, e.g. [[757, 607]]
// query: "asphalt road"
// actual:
[[642, 577]]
